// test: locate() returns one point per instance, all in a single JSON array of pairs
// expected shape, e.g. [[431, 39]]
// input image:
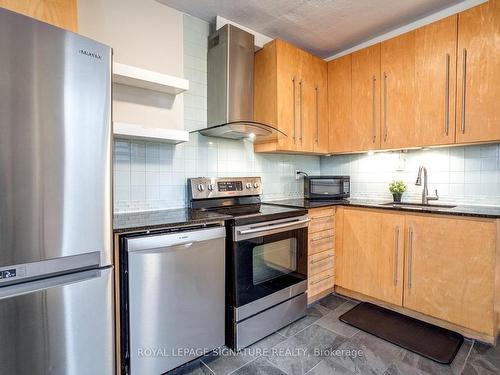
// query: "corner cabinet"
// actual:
[[438, 268], [290, 93], [60, 13], [370, 261]]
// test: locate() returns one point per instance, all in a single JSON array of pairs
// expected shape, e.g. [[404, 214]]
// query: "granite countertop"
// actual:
[[491, 212], [148, 220]]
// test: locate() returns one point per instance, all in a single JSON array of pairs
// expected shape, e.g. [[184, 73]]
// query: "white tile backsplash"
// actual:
[[466, 175]]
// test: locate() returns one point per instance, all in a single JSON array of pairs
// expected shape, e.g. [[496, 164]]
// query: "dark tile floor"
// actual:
[[320, 344]]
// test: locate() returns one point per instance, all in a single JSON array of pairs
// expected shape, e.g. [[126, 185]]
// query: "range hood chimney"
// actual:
[[230, 86]]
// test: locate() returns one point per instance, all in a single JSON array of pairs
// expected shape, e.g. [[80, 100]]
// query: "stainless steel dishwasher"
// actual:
[[172, 298]]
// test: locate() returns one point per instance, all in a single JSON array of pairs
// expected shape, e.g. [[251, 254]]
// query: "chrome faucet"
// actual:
[[425, 192]]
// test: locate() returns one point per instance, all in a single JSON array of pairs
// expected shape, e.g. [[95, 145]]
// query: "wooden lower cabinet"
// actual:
[[442, 269], [450, 270], [371, 259], [321, 253]]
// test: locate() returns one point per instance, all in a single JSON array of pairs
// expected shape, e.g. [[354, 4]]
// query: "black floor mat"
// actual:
[[436, 343]]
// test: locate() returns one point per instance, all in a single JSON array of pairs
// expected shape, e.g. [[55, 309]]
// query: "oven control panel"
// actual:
[[222, 187]]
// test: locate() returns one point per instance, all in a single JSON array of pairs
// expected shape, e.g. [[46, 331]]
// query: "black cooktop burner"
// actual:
[[255, 213]]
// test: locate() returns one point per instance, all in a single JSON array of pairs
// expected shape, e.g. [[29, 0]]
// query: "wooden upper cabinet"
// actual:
[[450, 270], [290, 94], [366, 99], [478, 74], [276, 94], [60, 13], [371, 258], [435, 82], [320, 124], [339, 104], [307, 104], [398, 92]]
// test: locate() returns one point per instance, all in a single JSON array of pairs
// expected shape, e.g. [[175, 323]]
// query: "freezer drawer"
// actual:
[[58, 326]]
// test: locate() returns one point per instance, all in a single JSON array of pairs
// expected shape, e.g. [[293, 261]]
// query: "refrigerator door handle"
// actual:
[[37, 285]]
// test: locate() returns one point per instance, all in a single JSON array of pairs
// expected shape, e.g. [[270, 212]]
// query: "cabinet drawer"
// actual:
[[321, 243], [321, 223], [320, 282], [319, 212], [321, 262]]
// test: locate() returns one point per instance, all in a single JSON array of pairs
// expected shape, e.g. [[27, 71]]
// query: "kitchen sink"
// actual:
[[419, 206]]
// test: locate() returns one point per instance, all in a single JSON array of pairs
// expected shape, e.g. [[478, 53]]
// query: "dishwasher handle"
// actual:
[[181, 238]]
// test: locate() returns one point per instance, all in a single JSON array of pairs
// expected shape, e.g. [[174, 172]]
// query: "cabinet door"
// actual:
[[449, 272], [307, 103], [478, 74], [320, 140], [366, 99], [435, 82], [288, 95], [339, 104], [398, 91], [61, 13], [371, 258]]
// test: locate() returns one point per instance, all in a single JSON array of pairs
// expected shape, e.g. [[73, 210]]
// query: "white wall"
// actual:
[[146, 34]]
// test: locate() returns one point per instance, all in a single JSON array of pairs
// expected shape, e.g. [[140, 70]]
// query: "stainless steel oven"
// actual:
[[327, 187], [269, 265], [266, 257]]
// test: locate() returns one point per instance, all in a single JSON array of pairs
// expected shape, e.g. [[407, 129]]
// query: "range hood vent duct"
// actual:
[[230, 87]]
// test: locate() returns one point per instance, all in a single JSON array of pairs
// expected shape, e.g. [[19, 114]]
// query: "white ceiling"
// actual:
[[323, 27]]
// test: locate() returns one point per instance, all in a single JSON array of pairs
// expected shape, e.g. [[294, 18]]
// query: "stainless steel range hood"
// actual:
[[230, 86]]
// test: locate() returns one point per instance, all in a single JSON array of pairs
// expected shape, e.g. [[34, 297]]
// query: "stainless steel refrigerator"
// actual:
[[56, 285]]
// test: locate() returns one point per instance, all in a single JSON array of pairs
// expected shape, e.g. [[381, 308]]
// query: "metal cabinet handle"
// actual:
[[396, 255], [386, 130], [301, 111], [314, 261], [294, 112], [317, 114], [374, 110], [464, 84], [447, 97], [275, 226], [410, 255], [323, 279]]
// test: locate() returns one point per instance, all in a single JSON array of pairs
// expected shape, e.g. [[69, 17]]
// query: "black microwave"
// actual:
[[327, 187]]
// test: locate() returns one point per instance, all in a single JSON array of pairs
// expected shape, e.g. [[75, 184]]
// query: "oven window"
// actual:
[[275, 259], [326, 187]]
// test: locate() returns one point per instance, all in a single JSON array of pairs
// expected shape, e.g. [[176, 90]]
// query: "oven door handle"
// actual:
[[273, 227]]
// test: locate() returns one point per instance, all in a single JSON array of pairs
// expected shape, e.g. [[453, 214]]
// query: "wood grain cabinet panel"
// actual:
[[435, 82], [289, 94], [478, 74], [366, 99], [340, 104], [321, 253], [398, 92], [371, 259], [60, 13], [450, 270]]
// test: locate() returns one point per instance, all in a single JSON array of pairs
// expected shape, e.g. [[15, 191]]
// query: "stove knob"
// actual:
[[256, 185], [248, 185], [211, 187], [201, 187]]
